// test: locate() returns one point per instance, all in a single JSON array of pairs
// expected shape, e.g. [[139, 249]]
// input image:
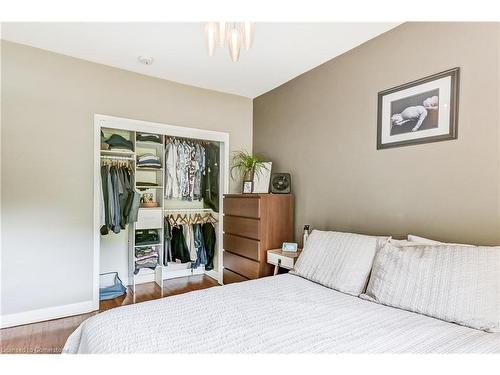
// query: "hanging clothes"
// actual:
[[211, 177], [171, 181], [167, 243], [105, 216], [192, 171], [199, 243], [209, 238], [200, 171], [120, 201], [189, 236], [180, 250]]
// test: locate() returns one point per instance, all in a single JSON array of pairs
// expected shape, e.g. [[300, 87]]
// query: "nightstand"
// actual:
[[283, 259]]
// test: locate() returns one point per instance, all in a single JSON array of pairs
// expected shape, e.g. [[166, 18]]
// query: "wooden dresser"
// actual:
[[253, 224]]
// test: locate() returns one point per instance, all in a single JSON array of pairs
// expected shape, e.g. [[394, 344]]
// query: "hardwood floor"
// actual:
[[49, 337]]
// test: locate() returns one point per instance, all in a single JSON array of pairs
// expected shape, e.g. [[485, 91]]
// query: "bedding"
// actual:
[[279, 314], [341, 261], [459, 284], [428, 241]]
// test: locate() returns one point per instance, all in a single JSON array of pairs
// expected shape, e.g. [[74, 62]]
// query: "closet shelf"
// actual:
[[117, 152], [151, 245], [149, 169], [145, 187], [148, 144]]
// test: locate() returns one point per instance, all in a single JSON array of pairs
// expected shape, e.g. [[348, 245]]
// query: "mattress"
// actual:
[[279, 314]]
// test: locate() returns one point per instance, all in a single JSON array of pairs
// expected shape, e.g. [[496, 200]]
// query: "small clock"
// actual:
[[289, 246]]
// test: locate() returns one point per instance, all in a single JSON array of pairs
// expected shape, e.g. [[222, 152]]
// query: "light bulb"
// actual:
[[234, 43], [212, 35], [222, 33], [248, 34]]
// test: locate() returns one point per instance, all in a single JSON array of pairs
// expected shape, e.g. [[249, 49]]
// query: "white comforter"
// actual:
[[280, 314]]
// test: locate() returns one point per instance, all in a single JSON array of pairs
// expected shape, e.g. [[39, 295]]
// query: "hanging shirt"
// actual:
[[209, 239], [199, 243], [211, 177], [180, 250], [171, 175], [182, 162], [200, 160], [189, 236]]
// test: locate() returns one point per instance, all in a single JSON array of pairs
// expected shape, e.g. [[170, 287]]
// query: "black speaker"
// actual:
[[281, 183]]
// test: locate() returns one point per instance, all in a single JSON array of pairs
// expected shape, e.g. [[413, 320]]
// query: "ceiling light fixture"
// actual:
[[233, 34], [146, 60]]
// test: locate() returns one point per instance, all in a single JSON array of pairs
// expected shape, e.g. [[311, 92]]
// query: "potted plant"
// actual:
[[248, 166]]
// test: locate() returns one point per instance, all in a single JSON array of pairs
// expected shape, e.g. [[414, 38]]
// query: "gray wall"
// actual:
[[48, 103], [321, 127]]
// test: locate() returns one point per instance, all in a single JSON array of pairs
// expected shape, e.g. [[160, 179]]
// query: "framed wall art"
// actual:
[[422, 111]]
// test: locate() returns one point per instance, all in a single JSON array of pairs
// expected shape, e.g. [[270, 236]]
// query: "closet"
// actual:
[[158, 195]]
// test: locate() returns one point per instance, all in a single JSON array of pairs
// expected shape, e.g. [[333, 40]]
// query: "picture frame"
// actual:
[[421, 111], [262, 180], [247, 187]]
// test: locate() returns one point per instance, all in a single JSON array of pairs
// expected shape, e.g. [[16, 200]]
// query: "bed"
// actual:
[[279, 314]]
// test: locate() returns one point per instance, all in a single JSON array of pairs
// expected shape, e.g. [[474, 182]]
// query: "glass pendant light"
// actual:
[[248, 34], [222, 33], [235, 35], [212, 37], [234, 43]]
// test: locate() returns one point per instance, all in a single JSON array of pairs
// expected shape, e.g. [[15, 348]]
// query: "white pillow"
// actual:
[[458, 284], [341, 261], [423, 240]]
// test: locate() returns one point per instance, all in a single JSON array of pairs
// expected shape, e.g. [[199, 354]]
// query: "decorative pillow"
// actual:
[[341, 261], [458, 284], [423, 240]]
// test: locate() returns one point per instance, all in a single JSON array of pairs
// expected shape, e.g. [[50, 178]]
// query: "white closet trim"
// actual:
[[105, 121]]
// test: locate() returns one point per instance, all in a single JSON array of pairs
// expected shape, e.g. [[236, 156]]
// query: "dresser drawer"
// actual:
[[149, 218], [243, 266], [246, 207], [242, 226], [242, 246], [230, 277]]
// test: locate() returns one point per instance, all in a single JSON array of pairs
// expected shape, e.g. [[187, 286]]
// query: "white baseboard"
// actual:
[[49, 313]]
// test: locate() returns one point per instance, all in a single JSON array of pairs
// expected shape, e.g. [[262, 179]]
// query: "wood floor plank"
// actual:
[[49, 337]]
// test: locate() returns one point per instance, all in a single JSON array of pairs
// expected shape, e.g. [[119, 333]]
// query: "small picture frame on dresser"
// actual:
[[247, 187]]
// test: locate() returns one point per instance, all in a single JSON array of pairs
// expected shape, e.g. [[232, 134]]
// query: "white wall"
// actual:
[[48, 104]]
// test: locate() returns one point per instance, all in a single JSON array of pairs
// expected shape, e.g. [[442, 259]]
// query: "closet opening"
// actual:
[[157, 200]]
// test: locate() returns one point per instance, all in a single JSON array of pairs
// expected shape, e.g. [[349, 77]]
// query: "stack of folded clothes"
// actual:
[[145, 257], [145, 137], [148, 161], [146, 237], [116, 141]]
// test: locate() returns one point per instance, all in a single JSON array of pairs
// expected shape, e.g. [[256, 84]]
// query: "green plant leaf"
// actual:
[[243, 162]]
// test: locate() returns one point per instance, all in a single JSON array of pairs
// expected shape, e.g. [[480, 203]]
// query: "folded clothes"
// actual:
[[149, 161], [149, 165], [147, 237], [145, 137], [143, 251], [116, 141], [147, 263], [148, 156], [147, 257]]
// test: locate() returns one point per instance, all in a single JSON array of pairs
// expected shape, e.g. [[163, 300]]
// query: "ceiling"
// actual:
[[281, 51]]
